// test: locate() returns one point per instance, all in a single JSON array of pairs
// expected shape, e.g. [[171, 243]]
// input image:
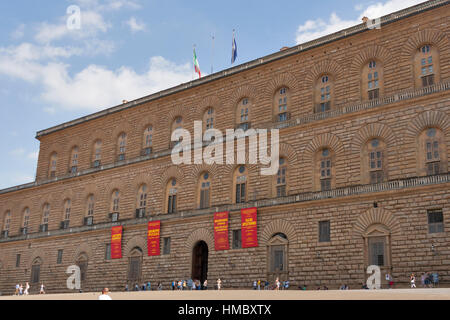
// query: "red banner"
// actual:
[[116, 242], [153, 235], [221, 231], [249, 232]]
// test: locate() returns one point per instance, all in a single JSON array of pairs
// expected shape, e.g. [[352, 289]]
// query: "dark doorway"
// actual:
[[200, 262]]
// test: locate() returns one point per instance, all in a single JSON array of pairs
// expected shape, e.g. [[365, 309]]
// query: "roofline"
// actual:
[[390, 18]]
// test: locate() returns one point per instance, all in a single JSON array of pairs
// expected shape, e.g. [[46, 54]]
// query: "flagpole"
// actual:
[[212, 54], [193, 69]]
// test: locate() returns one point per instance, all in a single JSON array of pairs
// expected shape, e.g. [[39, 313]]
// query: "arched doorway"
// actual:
[[200, 261], [82, 262], [135, 268], [277, 262]]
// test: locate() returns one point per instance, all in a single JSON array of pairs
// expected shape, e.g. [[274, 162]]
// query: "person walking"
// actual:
[[17, 290], [219, 284], [389, 280], [277, 284], [413, 280], [42, 290], [254, 285], [105, 295], [422, 279], [435, 277], [259, 284], [27, 288], [20, 290], [205, 285]]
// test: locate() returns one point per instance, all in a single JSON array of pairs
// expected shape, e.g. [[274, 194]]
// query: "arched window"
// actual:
[[115, 199], [66, 217], [97, 153], [147, 147], [281, 179], [243, 114], [122, 146], [53, 165], [73, 165], [204, 191], [426, 66], [176, 124], [7, 222], [141, 204], [171, 195], [26, 220], [208, 119], [372, 80], [135, 267], [324, 93], [45, 217], [240, 184], [433, 151], [90, 207], [281, 104], [324, 169], [376, 160]]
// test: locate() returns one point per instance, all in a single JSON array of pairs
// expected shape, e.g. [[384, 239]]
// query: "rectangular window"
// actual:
[[204, 198], [325, 184], [324, 231], [59, 258], [281, 191], [17, 260], [433, 168], [240, 193], [108, 252], [428, 80], [237, 243], [435, 221], [172, 205], [374, 94], [166, 246], [376, 177]]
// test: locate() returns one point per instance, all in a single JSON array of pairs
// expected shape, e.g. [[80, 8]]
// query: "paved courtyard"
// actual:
[[386, 294]]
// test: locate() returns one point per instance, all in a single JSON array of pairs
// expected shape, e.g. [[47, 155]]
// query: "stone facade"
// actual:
[[395, 209]]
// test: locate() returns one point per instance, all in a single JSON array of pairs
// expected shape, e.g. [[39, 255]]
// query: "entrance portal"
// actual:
[[200, 262]]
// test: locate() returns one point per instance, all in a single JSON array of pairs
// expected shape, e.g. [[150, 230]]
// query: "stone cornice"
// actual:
[[387, 19], [393, 185]]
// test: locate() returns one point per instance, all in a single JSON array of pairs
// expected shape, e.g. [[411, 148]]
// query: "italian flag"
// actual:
[[196, 65]]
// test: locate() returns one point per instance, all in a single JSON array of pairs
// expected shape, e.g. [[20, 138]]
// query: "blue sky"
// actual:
[[126, 49]]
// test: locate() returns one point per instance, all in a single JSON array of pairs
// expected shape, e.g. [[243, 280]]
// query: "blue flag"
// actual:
[[233, 50]]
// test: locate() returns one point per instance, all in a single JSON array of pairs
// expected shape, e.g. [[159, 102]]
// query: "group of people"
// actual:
[[265, 285], [428, 280], [144, 287], [25, 290], [189, 285]]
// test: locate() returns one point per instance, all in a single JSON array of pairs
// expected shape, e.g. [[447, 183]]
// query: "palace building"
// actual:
[[364, 123]]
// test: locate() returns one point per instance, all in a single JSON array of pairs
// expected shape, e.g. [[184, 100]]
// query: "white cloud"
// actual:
[[92, 23], [313, 29], [19, 32], [18, 152], [33, 155], [94, 87], [135, 25]]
